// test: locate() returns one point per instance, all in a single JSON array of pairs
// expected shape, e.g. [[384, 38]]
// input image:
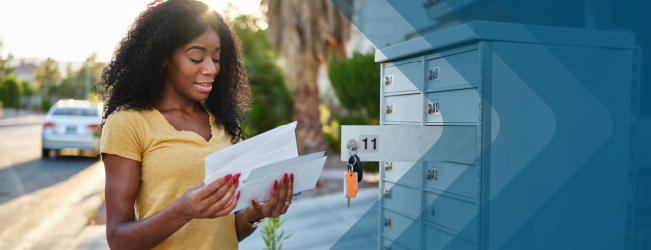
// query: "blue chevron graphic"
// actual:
[[561, 150]]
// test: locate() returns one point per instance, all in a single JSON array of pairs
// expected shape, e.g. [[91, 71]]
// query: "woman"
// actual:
[[177, 92]]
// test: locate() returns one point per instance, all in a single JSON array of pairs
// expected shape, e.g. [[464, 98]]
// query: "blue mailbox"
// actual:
[[503, 136]]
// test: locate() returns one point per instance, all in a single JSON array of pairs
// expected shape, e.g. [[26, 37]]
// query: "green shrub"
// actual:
[[11, 92], [356, 82], [26, 89], [4, 96], [45, 104]]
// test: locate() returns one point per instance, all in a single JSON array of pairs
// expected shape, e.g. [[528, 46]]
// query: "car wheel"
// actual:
[[46, 153]]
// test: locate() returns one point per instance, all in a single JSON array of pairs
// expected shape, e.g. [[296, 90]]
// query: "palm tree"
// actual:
[[305, 31]]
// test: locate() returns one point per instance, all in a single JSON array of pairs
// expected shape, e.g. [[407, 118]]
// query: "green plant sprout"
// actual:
[[270, 235]]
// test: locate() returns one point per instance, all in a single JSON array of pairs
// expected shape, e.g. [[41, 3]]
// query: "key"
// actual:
[[357, 167]]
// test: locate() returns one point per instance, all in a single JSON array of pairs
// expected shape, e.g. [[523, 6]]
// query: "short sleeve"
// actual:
[[122, 135]]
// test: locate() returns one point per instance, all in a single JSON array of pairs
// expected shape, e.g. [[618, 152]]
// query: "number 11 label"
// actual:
[[368, 144]]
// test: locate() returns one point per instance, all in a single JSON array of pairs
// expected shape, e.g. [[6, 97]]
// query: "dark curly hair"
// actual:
[[133, 78]]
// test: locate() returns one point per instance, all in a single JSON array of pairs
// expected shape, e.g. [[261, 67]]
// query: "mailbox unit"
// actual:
[[436, 123]]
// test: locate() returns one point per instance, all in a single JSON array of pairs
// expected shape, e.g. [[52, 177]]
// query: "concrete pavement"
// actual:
[[51, 217], [43, 203], [319, 222]]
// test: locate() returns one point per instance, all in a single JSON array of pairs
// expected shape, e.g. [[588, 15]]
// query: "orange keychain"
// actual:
[[350, 186], [350, 181]]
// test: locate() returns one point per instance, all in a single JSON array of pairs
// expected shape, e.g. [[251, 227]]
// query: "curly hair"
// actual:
[[133, 78]]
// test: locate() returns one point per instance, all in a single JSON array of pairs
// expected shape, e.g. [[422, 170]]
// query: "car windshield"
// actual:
[[75, 111]]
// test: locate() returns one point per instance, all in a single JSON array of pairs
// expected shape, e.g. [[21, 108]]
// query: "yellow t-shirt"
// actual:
[[171, 162]]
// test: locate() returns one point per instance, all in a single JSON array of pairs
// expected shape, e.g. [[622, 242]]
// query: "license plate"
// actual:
[[71, 129]]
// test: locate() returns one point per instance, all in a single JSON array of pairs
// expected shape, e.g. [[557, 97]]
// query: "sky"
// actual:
[[70, 30]]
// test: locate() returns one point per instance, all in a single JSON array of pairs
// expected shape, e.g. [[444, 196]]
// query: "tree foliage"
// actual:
[[47, 75], [74, 85], [273, 103], [5, 67]]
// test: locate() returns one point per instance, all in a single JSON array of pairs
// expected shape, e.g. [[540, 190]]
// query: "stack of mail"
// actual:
[[262, 159]]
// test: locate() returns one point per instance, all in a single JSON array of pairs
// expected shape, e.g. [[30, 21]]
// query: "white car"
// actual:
[[72, 124]]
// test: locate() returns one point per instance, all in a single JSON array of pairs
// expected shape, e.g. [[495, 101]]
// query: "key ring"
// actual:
[[352, 144], [350, 165]]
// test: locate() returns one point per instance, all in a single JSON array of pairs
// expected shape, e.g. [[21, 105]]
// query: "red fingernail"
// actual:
[[238, 196], [228, 177], [292, 178], [253, 202], [236, 184], [236, 179], [275, 185], [285, 178]]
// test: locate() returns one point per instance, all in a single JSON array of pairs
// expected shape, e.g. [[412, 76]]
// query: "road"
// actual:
[[43, 202]]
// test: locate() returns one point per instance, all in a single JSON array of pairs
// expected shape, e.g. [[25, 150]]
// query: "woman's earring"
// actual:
[[163, 69]]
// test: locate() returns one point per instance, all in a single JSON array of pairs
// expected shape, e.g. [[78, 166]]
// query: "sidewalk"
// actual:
[[9, 117], [319, 222], [52, 217], [315, 223]]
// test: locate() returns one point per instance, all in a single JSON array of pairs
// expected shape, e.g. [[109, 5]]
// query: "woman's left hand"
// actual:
[[281, 193]]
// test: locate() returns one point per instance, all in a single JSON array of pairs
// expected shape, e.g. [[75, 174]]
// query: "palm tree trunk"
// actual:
[[309, 133]]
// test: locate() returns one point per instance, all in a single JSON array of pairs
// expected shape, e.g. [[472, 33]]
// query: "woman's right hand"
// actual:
[[209, 201]]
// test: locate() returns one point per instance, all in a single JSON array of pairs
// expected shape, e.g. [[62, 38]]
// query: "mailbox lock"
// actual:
[[387, 222], [432, 174], [388, 166], [388, 80], [432, 108], [388, 109], [352, 144], [433, 211], [388, 194], [433, 74]]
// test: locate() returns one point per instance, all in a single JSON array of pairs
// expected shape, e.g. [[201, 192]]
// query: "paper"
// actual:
[[306, 174], [272, 146], [262, 159]]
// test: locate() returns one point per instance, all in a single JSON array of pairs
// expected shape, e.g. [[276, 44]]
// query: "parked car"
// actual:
[[72, 124]]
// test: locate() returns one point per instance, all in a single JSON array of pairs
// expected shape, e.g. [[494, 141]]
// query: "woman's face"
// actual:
[[191, 69]]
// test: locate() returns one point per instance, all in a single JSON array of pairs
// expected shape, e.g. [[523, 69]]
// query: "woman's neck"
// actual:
[[174, 101]]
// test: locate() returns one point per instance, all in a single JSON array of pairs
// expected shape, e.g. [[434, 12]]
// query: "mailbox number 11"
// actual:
[[369, 144]]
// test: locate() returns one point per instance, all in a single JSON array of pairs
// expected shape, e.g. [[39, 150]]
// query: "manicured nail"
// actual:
[[236, 177], [228, 177], [236, 184], [275, 185], [292, 178], [238, 196], [285, 178], [253, 202]]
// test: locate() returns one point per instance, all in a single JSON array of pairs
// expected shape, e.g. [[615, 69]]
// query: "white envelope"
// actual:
[[269, 147], [306, 175], [262, 159]]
